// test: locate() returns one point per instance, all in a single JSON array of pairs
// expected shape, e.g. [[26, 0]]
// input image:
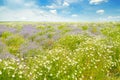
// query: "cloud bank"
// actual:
[[56, 10], [27, 11], [95, 2]]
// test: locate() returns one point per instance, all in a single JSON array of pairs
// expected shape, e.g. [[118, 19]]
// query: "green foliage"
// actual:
[[61, 27], [50, 35], [94, 29], [31, 53], [13, 42], [41, 33], [6, 34], [41, 27], [48, 44], [64, 29], [84, 28], [71, 42], [50, 29], [2, 47]]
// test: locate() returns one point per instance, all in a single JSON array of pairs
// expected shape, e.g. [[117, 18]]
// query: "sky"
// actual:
[[60, 10]]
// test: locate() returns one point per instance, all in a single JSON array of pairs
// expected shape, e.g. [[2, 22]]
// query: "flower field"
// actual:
[[59, 51]]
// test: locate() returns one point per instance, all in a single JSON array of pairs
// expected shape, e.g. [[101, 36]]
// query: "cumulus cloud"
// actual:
[[95, 2], [13, 2], [53, 11], [29, 11], [2, 8], [100, 12], [110, 18], [29, 15], [51, 6], [59, 4], [74, 15], [73, 1], [20, 3], [66, 4], [113, 17], [30, 4]]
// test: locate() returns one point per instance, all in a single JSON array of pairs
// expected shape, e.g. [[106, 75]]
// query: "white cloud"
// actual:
[[51, 6], [66, 4], [30, 4], [20, 3], [95, 2], [53, 11], [29, 12], [23, 18], [74, 15], [100, 12], [14, 3], [29, 15], [59, 4], [2, 8], [102, 19], [113, 17], [72, 1], [110, 18]]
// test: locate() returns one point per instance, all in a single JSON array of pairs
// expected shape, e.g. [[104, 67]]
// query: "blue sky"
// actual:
[[59, 10]]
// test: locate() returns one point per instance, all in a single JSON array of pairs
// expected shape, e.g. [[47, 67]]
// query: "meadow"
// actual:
[[59, 51]]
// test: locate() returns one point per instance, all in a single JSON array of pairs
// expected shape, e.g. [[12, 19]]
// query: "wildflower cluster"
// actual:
[[42, 56]]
